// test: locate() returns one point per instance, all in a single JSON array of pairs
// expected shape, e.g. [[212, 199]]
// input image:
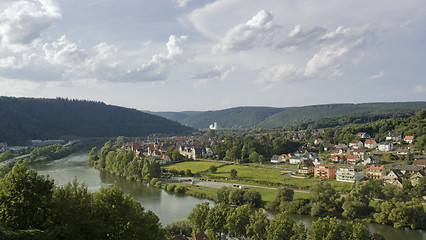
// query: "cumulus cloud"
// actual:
[[160, 65], [23, 22], [254, 33], [219, 71], [64, 52], [298, 38], [420, 89]]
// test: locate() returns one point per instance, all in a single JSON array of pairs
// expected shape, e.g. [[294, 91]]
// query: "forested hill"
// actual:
[[22, 119], [268, 117]]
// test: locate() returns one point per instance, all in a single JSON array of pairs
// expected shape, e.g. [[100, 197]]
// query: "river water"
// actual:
[[169, 207]]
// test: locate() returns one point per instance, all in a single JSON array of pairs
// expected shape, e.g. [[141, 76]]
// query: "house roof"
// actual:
[[352, 157], [408, 137], [359, 150], [307, 163], [370, 141], [406, 167], [419, 162], [375, 168], [325, 165]]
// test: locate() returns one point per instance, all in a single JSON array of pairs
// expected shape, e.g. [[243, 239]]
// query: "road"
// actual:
[[12, 161]]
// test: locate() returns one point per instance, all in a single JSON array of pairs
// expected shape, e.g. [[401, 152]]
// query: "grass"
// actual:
[[195, 166]]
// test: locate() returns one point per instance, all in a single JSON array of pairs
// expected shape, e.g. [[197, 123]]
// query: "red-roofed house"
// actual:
[[352, 159], [360, 153], [409, 139], [370, 143], [376, 171]]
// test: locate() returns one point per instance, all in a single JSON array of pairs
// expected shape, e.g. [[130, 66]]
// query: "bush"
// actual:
[[171, 188], [154, 181], [180, 189]]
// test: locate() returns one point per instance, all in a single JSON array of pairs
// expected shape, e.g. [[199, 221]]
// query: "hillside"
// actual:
[[174, 116], [267, 117], [30, 118]]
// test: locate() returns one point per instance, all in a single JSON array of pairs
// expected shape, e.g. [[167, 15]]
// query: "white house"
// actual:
[[276, 159], [393, 137], [385, 146], [349, 174], [296, 159], [370, 143], [356, 144]]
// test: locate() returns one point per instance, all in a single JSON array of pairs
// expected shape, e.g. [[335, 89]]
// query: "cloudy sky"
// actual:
[[176, 55]]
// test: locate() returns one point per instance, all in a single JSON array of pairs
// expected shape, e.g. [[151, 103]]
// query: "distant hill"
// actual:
[[268, 117], [174, 116], [31, 118]]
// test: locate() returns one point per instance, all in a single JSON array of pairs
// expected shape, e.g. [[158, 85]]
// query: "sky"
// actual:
[[181, 55]]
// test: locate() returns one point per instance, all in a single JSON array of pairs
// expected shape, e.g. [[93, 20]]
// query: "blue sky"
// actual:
[[176, 55]]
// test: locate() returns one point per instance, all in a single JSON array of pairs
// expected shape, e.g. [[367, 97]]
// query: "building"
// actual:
[[393, 176], [370, 143], [420, 163], [385, 146], [339, 158], [409, 139], [360, 152], [352, 159], [402, 151], [349, 174], [326, 171], [276, 159], [406, 169], [375, 171], [363, 135], [395, 137], [372, 160], [296, 159], [306, 167], [355, 144]]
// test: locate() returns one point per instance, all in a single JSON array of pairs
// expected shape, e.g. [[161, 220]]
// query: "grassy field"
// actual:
[[195, 166], [274, 175]]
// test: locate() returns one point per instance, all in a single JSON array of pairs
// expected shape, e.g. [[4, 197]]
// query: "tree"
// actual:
[[198, 217], [236, 196], [212, 169], [72, 213], [253, 198], [176, 156], [233, 173], [356, 204], [92, 157], [216, 220], [258, 223], [180, 226], [25, 198], [124, 218], [237, 221], [281, 228], [332, 229], [222, 195], [284, 194], [323, 199], [188, 173], [254, 157]]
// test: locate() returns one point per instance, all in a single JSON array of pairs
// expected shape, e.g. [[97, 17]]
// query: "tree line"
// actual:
[[123, 163], [32, 207], [395, 206]]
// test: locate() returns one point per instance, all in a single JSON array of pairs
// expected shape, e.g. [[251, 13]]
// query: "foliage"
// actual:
[[237, 196], [256, 229], [180, 226], [24, 199], [323, 199], [332, 229], [216, 220], [49, 152], [281, 228], [356, 204], [283, 195], [237, 221], [30, 118], [198, 217], [233, 174]]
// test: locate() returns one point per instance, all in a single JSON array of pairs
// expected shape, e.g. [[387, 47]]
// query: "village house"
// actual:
[[326, 171], [341, 148], [339, 158], [385, 146], [402, 151], [409, 139], [317, 161], [296, 159], [306, 167], [349, 174], [420, 163], [375, 171], [355, 144], [370, 143], [352, 159], [165, 160], [276, 159], [318, 141], [363, 135], [416, 177], [374, 159], [393, 176], [406, 169], [360, 152], [395, 137]]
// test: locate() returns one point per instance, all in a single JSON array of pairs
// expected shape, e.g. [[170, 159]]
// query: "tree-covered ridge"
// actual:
[[268, 117], [22, 119]]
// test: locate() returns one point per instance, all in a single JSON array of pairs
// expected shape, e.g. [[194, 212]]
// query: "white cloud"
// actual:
[[182, 3], [298, 38], [63, 52], [160, 65], [377, 76], [219, 71], [256, 32], [284, 72], [22, 22]]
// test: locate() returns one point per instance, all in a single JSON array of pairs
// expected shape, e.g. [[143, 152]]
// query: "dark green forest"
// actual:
[[23, 119], [268, 117]]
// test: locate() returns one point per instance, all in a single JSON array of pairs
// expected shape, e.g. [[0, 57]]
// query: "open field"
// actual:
[[195, 166]]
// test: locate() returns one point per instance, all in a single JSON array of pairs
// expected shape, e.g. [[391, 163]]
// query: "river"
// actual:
[[169, 207]]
